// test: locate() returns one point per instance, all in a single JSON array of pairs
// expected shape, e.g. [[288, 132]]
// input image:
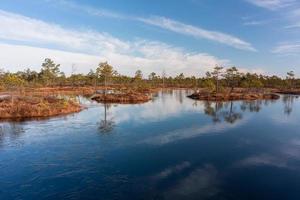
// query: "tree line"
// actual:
[[219, 78]]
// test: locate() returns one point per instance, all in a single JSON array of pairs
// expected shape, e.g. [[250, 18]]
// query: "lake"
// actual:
[[170, 148]]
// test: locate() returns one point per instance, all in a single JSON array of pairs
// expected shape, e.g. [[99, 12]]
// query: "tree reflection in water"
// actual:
[[288, 101], [232, 111], [107, 124], [180, 95], [231, 115], [252, 106], [213, 109], [222, 111]]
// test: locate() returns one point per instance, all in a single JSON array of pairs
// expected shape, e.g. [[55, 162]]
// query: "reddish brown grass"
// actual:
[[16, 107]]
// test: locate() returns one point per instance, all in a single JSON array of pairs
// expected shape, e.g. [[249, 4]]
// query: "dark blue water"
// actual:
[[170, 148]]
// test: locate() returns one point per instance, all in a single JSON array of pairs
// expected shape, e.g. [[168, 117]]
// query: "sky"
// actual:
[[184, 36]]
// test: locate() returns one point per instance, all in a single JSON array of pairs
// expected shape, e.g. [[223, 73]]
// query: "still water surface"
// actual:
[[169, 148]]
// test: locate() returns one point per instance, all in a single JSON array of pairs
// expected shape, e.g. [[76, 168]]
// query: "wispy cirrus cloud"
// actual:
[[87, 9], [172, 170], [293, 26], [287, 10], [287, 48], [272, 4], [190, 133], [253, 20], [21, 28], [254, 23], [76, 45], [294, 18], [165, 23], [198, 32]]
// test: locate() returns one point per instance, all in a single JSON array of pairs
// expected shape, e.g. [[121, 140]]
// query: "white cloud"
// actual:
[[263, 159], [20, 28], [87, 9], [172, 170], [254, 23], [127, 56], [272, 4], [285, 155], [288, 10], [158, 110], [287, 48], [18, 57], [190, 133], [294, 25], [294, 18], [165, 23], [197, 32], [32, 57], [202, 183]]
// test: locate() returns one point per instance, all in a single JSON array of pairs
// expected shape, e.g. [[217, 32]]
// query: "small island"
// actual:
[[24, 107], [127, 97], [232, 85], [233, 96], [289, 92]]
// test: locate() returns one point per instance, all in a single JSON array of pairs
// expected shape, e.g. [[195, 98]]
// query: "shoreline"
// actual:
[[81, 90]]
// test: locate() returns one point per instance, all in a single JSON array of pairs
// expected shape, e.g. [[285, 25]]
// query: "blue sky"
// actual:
[[189, 36]]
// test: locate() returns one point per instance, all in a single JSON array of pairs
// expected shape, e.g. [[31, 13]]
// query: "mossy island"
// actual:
[[289, 91], [233, 96], [25, 107], [122, 97]]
